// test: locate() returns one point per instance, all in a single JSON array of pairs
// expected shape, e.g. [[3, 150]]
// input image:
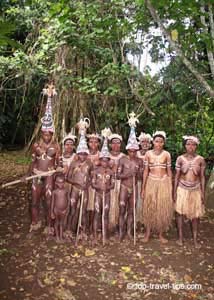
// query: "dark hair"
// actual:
[[185, 141], [160, 136], [68, 139]]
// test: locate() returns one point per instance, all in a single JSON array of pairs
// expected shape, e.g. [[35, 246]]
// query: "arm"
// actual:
[[112, 181], [202, 180], [140, 170], [145, 174], [169, 165], [94, 181], [58, 155], [69, 173], [177, 177]]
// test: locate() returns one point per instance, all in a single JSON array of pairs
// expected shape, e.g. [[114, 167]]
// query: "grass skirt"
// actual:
[[90, 205], [189, 203], [114, 206], [157, 203]]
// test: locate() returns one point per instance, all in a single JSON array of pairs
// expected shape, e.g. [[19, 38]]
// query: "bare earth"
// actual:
[[34, 268]]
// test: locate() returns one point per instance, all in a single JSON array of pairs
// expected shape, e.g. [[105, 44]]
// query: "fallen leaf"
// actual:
[[187, 278], [126, 269], [89, 252]]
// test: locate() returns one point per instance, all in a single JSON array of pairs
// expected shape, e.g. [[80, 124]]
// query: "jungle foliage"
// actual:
[[84, 47]]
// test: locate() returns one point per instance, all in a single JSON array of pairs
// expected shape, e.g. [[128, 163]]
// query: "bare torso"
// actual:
[[190, 167], [102, 179], [158, 164], [128, 166], [45, 156], [79, 173]]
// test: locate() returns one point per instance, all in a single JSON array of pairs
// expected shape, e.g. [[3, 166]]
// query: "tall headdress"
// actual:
[[82, 125], [47, 120], [132, 140], [105, 151]]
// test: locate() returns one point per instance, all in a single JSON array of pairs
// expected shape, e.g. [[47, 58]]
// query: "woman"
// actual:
[[189, 188], [157, 189]]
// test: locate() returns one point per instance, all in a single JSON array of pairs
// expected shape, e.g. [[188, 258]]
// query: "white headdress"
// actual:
[[115, 136], [47, 120], [82, 125], [191, 138], [132, 140], [144, 135], [162, 133], [105, 151]]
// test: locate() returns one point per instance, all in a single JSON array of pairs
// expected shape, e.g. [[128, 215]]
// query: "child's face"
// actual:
[[60, 183], [132, 153], [69, 146], [104, 162], [82, 156]]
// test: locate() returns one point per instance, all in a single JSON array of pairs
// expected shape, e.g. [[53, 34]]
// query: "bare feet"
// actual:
[[197, 245], [163, 240], [145, 239], [179, 242]]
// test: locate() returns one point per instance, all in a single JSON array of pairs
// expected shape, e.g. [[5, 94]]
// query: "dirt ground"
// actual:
[[34, 268]]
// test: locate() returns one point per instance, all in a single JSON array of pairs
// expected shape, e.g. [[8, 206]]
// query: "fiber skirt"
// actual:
[[90, 205], [189, 203], [114, 206], [157, 203]]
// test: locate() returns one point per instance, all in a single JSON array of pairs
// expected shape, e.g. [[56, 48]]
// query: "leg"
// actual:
[[130, 215], [56, 227], [74, 198], [180, 229], [84, 214], [106, 215], [195, 222], [162, 239], [147, 235], [122, 210], [61, 227], [48, 199], [36, 196], [97, 213]]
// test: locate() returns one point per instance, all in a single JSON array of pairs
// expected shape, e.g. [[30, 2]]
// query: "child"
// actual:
[[59, 206]]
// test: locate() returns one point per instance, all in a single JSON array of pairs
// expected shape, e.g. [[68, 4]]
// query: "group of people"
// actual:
[[94, 191]]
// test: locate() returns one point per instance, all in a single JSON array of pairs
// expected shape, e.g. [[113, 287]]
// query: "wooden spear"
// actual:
[[80, 217], [42, 174]]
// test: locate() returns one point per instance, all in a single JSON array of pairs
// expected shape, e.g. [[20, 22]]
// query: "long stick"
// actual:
[[134, 212], [42, 174], [80, 217], [103, 214]]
